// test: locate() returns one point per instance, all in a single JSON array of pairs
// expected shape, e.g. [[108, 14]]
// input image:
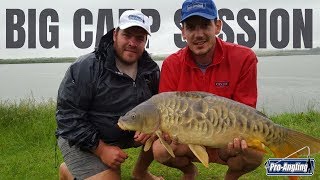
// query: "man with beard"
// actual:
[[97, 89], [211, 65]]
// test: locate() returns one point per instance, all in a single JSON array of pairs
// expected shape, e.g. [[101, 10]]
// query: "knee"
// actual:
[[160, 154], [255, 163], [63, 168], [243, 164], [64, 173]]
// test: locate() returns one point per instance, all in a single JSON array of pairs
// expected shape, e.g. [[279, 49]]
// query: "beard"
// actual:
[[127, 62], [125, 57]]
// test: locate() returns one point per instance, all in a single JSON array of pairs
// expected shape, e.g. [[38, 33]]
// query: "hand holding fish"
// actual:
[[141, 137], [166, 137], [238, 156]]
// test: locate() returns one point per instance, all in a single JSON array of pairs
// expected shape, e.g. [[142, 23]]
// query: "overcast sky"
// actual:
[[161, 42]]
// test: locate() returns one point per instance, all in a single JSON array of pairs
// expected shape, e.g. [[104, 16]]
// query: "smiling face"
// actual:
[[129, 44], [200, 34]]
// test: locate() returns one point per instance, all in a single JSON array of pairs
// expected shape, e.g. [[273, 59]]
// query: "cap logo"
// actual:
[[197, 5], [136, 18]]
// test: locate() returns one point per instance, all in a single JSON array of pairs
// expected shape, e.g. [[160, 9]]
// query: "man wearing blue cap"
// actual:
[[211, 65]]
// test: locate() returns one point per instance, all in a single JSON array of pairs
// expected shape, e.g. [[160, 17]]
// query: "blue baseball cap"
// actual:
[[203, 8]]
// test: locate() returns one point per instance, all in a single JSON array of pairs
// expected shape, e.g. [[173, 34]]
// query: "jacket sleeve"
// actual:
[[246, 89], [73, 102], [169, 76], [155, 82]]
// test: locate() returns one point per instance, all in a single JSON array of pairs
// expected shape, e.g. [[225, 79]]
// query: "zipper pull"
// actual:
[[134, 84]]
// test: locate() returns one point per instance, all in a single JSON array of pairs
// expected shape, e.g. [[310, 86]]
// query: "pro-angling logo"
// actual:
[[290, 166]]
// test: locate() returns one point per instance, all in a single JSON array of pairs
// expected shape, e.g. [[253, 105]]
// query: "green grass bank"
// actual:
[[27, 144]]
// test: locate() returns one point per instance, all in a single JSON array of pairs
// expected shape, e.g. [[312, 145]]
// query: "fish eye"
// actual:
[[133, 116]]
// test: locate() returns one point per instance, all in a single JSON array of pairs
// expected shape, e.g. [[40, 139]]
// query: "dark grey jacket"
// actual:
[[94, 94]]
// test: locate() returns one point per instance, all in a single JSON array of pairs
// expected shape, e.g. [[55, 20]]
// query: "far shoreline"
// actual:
[[259, 53]]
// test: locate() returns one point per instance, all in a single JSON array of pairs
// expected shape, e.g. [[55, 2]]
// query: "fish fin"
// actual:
[[165, 144], [295, 141], [256, 144], [293, 177], [201, 153], [148, 144]]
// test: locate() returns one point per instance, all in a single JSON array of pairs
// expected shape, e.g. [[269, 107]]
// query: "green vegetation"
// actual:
[[27, 144], [37, 60]]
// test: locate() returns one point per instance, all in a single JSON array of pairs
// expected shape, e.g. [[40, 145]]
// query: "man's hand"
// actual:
[[141, 137], [112, 156], [239, 157]]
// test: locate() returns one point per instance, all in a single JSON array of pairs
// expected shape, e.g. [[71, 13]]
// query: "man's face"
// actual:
[[129, 44], [200, 34]]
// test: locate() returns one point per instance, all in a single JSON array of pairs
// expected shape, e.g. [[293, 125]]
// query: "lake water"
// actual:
[[285, 83]]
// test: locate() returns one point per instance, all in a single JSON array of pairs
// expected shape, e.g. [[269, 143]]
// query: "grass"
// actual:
[[27, 144]]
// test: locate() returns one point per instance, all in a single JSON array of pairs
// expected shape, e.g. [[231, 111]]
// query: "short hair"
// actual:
[[215, 21]]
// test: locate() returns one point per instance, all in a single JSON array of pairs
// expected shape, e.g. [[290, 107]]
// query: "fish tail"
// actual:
[[297, 142]]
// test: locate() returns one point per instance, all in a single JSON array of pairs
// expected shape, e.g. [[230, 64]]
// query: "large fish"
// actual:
[[201, 119]]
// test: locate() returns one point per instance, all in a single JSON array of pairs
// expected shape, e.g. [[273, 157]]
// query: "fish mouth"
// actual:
[[121, 125]]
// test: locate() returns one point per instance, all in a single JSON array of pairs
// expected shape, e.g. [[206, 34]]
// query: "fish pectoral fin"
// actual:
[[201, 153], [165, 144], [258, 145], [148, 144]]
